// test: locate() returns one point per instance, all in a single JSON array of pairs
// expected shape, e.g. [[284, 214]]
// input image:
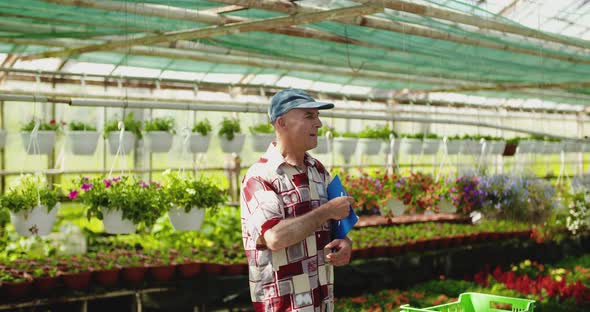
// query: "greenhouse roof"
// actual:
[[516, 49]]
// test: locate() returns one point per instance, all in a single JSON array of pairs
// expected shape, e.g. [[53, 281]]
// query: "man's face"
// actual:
[[301, 128]]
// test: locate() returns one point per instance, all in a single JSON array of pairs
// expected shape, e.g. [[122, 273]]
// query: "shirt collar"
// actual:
[[276, 159]]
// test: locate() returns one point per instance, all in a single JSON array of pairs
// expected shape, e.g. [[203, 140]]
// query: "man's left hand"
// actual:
[[341, 250]]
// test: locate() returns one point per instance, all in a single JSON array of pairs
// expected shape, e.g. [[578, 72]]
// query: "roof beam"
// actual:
[[492, 24], [226, 9], [9, 61], [205, 32], [514, 86], [404, 28]]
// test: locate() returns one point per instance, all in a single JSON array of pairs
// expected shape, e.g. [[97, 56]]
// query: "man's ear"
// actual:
[[280, 122]]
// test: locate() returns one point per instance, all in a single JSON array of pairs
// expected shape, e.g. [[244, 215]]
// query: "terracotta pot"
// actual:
[[190, 269], [45, 285], [77, 281], [133, 275], [108, 277], [162, 273], [235, 269], [15, 291], [213, 268]]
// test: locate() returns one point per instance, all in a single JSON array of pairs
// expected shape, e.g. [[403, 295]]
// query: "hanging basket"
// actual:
[[186, 221], [471, 147], [233, 146], [261, 141], [345, 146], [34, 221], [199, 143], [369, 146], [322, 147], [83, 142], [158, 141], [409, 146], [496, 147], [43, 145], [113, 222], [552, 148], [128, 142], [430, 146], [454, 147]]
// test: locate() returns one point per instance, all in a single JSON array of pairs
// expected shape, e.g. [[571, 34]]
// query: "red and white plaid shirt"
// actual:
[[295, 278]]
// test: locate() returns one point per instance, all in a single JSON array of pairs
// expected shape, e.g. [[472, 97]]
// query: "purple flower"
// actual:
[[116, 179], [87, 186], [143, 184], [73, 194], [107, 183]]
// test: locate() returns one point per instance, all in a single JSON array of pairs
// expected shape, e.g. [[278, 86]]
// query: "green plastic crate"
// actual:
[[476, 302]]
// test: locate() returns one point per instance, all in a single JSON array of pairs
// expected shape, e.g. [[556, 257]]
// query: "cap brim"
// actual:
[[318, 105]]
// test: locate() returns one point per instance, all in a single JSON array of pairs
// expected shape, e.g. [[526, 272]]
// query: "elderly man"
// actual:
[[286, 214]]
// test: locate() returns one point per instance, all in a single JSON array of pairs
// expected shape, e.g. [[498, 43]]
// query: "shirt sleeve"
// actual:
[[261, 208]]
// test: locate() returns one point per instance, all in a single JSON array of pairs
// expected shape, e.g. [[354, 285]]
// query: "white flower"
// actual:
[[167, 172], [191, 191]]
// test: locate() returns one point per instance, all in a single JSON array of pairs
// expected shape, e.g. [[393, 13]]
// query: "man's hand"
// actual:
[[341, 254], [338, 207]]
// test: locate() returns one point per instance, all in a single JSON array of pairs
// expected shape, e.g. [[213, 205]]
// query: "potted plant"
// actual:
[[418, 192], [46, 279], [134, 266], [230, 137], [325, 136], [161, 267], [262, 135], [125, 141], [77, 273], [200, 137], [371, 139], [445, 204], [32, 205], [345, 144], [121, 202], [467, 195], [159, 133], [106, 269], [188, 265], [15, 285], [83, 138], [510, 148], [187, 199], [44, 139]]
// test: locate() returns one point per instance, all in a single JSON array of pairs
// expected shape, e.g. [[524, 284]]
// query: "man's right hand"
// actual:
[[338, 207]]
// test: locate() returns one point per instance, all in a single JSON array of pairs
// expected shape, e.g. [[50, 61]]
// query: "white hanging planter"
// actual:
[[552, 147], [345, 146], [430, 146], [233, 146], [446, 206], [261, 141], [530, 147], [322, 147], [199, 143], [369, 146], [186, 221], [113, 222], [2, 138], [83, 142], [496, 147], [454, 147], [128, 142], [43, 145], [159, 141], [572, 147], [395, 206], [386, 147], [34, 221], [471, 147], [409, 146]]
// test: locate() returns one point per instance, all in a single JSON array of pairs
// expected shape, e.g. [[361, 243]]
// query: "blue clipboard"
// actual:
[[341, 227]]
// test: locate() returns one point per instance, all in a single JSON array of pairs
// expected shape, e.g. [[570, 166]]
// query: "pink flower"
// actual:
[[107, 183], [73, 194], [86, 178], [143, 184], [116, 179], [87, 186]]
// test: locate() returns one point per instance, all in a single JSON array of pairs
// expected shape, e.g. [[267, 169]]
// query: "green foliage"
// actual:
[[381, 132], [262, 128], [420, 136], [325, 129], [81, 126], [180, 190], [26, 193], [348, 135], [160, 124], [52, 125], [203, 127], [229, 128], [130, 123], [140, 202]]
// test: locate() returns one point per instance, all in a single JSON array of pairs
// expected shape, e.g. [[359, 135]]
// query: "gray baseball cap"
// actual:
[[285, 100]]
